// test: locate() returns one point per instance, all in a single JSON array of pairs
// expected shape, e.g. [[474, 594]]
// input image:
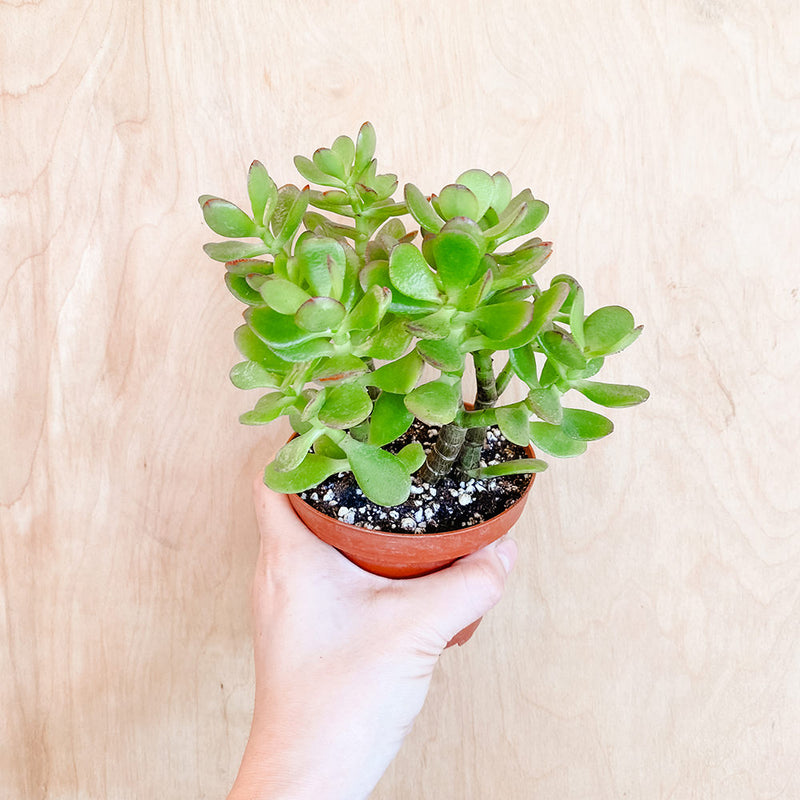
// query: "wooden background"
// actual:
[[649, 643]]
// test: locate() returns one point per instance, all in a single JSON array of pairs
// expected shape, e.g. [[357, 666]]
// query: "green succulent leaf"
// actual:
[[351, 291], [456, 200], [384, 186], [233, 250], [547, 305], [576, 318], [573, 285], [305, 351], [365, 148], [458, 256], [383, 210], [413, 456], [435, 403], [514, 211], [549, 375], [282, 295], [514, 422], [585, 425], [331, 200], [242, 291], [344, 147], [605, 328], [512, 271], [481, 184], [476, 294], [320, 314], [315, 399], [390, 342], [511, 342], [254, 349], [522, 216], [422, 211], [312, 172], [612, 395], [503, 319], [523, 254], [563, 348], [390, 419], [277, 330], [288, 215], [628, 340], [292, 454], [249, 266], [397, 377], [322, 226], [225, 218], [546, 404], [370, 310], [442, 354], [365, 179], [502, 192], [337, 368], [519, 466], [523, 362], [312, 471], [325, 446], [254, 280], [330, 163], [251, 375], [382, 476], [262, 191], [437, 325], [267, 409], [376, 273], [323, 263], [345, 406], [593, 366], [410, 273], [554, 441]]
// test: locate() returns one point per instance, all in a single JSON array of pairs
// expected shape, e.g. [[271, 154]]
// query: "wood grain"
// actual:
[[649, 644]]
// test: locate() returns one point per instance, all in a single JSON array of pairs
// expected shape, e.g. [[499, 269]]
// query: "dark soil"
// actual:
[[448, 506]]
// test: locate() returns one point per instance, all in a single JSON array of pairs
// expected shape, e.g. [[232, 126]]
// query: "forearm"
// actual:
[[315, 741]]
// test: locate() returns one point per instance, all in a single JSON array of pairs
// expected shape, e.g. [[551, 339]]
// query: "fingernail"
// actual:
[[506, 552]]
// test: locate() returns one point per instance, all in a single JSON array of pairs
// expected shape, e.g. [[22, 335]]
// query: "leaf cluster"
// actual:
[[345, 306]]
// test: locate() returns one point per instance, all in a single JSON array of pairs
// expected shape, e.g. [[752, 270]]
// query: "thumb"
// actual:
[[455, 597]]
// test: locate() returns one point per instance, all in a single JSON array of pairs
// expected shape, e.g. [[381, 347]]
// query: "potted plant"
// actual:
[[363, 316]]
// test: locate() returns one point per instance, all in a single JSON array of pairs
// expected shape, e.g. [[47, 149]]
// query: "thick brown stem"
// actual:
[[443, 454], [485, 397]]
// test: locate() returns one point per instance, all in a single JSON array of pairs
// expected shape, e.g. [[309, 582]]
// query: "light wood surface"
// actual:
[[649, 643]]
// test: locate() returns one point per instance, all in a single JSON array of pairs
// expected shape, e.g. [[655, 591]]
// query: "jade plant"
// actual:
[[364, 312]]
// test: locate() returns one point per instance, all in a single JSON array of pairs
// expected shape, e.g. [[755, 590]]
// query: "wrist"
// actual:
[[285, 767]]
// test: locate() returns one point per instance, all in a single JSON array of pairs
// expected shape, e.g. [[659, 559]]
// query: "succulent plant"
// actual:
[[346, 307]]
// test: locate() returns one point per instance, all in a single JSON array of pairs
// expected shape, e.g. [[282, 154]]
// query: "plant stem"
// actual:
[[443, 454], [485, 397]]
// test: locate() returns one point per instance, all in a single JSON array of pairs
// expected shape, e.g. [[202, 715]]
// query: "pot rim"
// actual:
[[405, 536]]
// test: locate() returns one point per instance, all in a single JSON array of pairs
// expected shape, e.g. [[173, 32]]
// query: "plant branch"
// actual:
[[485, 397], [443, 454]]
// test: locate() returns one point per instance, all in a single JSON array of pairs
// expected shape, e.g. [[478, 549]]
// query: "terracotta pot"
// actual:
[[409, 555]]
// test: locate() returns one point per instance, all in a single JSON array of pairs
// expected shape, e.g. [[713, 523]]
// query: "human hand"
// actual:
[[344, 658]]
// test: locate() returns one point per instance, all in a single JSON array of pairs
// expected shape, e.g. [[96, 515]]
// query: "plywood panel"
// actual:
[[649, 644]]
